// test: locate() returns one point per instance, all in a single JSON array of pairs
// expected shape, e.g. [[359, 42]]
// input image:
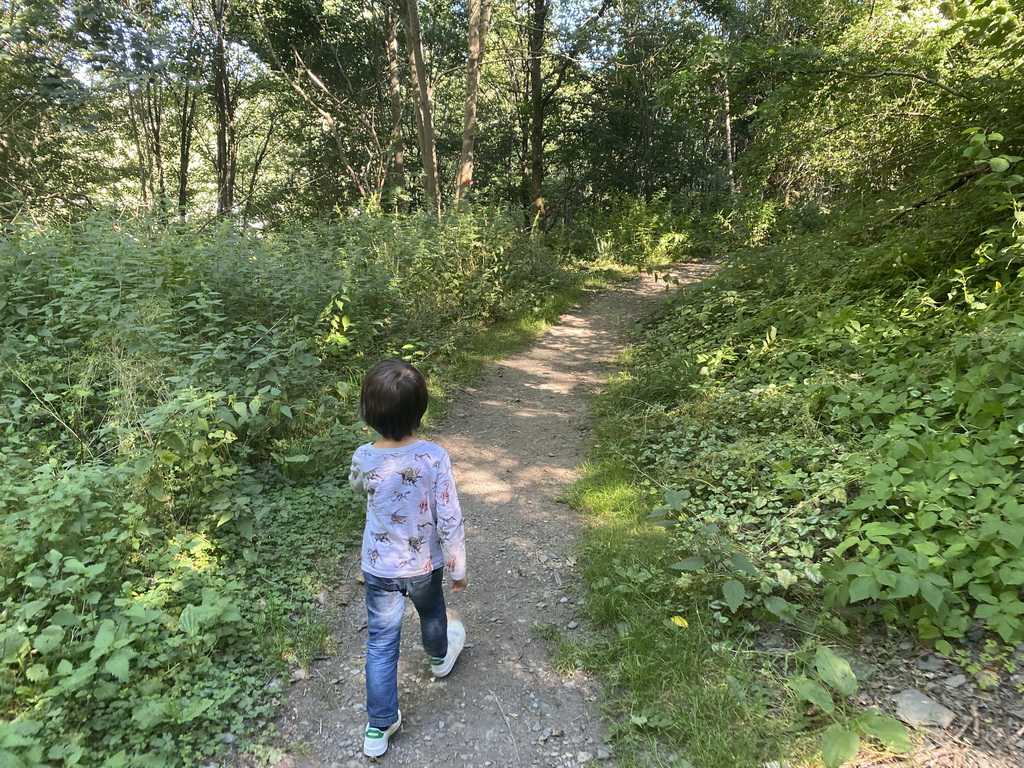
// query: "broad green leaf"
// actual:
[[36, 580], [734, 592], [741, 562], [37, 673], [888, 730], [808, 690], [779, 606], [906, 586], [120, 760], [835, 671], [932, 594], [49, 638], [11, 644], [29, 610], [694, 563], [998, 164], [168, 457], [241, 409], [78, 677], [863, 587], [189, 620], [150, 713], [118, 663], [674, 499], [104, 639], [838, 745]]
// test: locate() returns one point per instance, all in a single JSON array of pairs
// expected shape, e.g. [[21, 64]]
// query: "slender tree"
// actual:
[[479, 23], [224, 98], [422, 99]]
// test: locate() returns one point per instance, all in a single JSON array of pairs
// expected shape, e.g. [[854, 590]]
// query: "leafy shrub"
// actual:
[[171, 402], [634, 231], [846, 409]]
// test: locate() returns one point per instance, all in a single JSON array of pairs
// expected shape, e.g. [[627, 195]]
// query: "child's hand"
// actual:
[[459, 584]]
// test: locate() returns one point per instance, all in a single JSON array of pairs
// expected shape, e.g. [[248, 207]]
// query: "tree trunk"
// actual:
[[188, 119], [225, 109], [141, 153], [727, 109], [396, 164], [153, 120], [424, 107], [479, 22], [257, 164], [537, 29]]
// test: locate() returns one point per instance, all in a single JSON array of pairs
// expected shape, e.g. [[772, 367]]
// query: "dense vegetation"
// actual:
[[833, 420], [212, 224], [175, 407]]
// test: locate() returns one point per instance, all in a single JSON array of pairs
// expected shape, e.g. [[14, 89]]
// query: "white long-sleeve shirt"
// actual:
[[413, 519]]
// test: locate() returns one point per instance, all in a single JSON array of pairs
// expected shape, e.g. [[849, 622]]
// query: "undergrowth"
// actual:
[[831, 422], [176, 408]]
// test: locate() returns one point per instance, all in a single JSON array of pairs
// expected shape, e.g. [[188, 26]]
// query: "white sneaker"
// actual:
[[456, 642], [375, 741]]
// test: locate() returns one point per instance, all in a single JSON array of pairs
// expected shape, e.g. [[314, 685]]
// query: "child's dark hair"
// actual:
[[393, 398]]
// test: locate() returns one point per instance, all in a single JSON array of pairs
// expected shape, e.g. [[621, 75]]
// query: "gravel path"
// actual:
[[516, 437]]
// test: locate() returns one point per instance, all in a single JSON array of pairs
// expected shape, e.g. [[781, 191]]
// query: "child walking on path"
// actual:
[[413, 531]]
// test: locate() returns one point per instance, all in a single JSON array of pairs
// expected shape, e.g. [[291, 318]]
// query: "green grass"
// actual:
[[674, 693]]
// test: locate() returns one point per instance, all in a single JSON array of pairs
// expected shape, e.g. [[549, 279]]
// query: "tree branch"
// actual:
[[889, 73]]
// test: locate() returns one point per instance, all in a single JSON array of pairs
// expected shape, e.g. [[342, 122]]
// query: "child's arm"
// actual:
[[355, 478], [450, 528]]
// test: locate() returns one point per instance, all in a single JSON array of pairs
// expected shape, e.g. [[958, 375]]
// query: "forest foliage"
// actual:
[[176, 405], [216, 214]]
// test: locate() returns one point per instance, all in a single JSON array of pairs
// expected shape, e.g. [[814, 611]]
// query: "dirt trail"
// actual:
[[516, 437]]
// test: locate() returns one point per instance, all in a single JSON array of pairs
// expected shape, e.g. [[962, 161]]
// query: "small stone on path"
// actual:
[[955, 681], [914, 708]]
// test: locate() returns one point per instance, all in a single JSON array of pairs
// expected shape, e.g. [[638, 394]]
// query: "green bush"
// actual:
[[174, 408], [840, 414]]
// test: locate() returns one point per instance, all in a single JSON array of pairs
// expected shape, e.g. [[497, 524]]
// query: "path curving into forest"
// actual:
[[516, 437]]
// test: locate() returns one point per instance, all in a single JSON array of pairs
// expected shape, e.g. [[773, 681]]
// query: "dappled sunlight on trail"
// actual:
[[515, 437]]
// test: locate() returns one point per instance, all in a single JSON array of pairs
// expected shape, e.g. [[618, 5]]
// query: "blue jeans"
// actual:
[[385, 603]]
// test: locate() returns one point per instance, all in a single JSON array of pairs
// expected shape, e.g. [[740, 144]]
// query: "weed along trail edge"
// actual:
[[516, 437]]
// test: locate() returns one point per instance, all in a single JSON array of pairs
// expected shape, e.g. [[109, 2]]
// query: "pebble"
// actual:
[[584, 757], [955, 681], [931, 663], [915, 708]]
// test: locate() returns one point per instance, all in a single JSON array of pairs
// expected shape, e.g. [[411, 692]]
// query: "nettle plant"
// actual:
[[752, 499], [831, 690], [935, 536]]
